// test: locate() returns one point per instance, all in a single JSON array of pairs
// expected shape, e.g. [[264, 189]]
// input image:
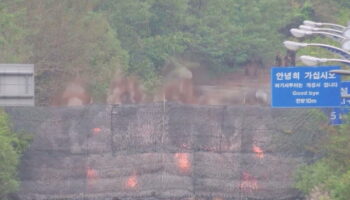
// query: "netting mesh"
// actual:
[[163, 151]]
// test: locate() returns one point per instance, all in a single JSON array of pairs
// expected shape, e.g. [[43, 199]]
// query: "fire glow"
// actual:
[[91, 174], [96, 131], [183, 162], [248, 183], [132, 182], [258, 152]]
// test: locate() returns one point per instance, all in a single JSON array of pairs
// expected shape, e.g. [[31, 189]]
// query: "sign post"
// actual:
[[305, 87]]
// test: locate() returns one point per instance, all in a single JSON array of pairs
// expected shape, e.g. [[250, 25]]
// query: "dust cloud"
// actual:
[[186, 83]]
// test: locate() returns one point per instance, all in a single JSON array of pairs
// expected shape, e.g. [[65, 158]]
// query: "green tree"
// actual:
[[168, 16], [70, 40], [92, 39], [11, 147], [332, 172], [232, 33], [12, 33], [151, 32]]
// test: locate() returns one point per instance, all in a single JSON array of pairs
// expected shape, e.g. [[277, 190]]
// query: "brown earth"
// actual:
[[184, 82]]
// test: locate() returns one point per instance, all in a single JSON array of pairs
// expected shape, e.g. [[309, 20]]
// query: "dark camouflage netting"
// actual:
[[163, 151]]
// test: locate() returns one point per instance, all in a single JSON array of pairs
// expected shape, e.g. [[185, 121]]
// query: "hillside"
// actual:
[[97, 43]]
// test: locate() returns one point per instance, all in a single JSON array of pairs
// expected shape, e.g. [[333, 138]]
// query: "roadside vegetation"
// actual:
[[12, 145], [329, 177], [95, 39]]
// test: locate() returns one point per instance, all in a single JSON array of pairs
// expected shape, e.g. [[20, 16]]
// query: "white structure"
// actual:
[[313, 61], [302, 33], [16, 85], [318, 24]]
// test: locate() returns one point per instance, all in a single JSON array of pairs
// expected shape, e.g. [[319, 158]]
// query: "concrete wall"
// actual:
[[17, 85]]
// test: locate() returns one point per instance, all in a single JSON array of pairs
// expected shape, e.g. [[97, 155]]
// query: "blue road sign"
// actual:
[[305, 87], [337, 115], [344, 91]]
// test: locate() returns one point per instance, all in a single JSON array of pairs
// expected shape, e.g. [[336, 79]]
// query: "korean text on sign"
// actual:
[[305, 87]]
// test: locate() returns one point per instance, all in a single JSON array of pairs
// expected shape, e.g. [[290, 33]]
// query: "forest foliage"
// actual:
[[93, 39], [12, 145], [329, 176]]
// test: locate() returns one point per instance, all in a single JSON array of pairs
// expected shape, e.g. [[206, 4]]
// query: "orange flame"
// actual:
[[248, 183], [183, 162], [96, 131], [131, 182], [91, 173], [91, 176], [258, 152]]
